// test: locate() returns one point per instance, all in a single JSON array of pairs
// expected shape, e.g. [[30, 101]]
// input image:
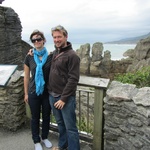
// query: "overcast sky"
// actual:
[[85, 20]]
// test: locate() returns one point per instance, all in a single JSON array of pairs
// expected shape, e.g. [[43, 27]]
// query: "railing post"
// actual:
[[98, 119], [100, 85]]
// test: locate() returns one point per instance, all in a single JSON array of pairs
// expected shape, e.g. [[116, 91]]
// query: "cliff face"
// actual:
[[12, 48], [140, 55]]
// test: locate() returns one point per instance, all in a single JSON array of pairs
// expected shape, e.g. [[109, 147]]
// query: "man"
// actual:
[[64, 76]]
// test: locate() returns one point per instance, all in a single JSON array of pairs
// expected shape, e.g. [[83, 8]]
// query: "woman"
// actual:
[[36, 70]]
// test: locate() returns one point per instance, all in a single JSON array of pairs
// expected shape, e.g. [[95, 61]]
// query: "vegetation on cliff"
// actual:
[[140, 78]]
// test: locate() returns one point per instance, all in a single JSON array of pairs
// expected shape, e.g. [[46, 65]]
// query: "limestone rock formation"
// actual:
[[97, 51], [140, 55], [100, 64], [129, 53], [84, 54], [12, 48]]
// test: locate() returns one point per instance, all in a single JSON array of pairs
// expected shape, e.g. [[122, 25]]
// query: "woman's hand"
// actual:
[[26, 98]]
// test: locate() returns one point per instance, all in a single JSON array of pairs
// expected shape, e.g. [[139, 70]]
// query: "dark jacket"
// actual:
[[65, 71]]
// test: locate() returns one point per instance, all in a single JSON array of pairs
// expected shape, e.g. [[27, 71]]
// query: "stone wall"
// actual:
[[12, 106], [126, 117]]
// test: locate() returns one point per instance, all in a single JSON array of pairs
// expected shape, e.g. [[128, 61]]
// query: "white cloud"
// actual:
[[87, 20]]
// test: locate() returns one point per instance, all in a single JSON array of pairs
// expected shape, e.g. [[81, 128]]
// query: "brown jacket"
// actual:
[[64, 73]]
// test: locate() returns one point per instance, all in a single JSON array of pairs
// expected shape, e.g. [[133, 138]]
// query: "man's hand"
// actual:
[[59, 104], [30, 52]]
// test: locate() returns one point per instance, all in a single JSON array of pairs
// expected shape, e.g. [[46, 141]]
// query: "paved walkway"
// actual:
[[22, 140]]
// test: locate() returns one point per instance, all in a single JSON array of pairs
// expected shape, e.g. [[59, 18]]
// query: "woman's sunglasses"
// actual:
[[38, 40]]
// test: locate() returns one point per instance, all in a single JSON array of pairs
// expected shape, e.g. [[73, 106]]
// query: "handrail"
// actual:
[[95, 82]]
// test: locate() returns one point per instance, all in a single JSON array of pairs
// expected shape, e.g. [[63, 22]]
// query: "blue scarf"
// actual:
[[39, 78]]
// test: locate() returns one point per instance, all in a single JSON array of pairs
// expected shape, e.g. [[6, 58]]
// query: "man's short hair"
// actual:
[[60, 28]]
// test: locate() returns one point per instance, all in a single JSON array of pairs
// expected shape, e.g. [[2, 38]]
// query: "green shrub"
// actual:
[[140, 78], [84, 126]]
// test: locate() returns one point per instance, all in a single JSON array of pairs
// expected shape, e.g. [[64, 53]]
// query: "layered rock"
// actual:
[[12, 48], [12, 106], [127, 117], [98, 65], [140, 55], [84, 54]]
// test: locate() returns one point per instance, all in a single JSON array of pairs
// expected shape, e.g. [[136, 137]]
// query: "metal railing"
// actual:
[[85, 114]]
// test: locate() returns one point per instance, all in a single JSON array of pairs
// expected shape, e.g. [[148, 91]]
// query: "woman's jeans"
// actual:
[[39, 105], [66, 120]]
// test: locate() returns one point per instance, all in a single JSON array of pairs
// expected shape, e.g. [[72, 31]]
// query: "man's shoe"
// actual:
[[57, 148], [47, 143], [38, 146]]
